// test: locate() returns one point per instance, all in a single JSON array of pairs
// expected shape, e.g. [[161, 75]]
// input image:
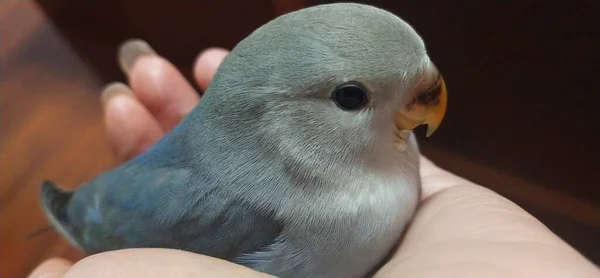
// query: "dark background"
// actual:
[[521, 76]]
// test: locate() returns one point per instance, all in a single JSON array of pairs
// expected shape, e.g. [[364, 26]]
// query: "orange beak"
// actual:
[[428, 107]]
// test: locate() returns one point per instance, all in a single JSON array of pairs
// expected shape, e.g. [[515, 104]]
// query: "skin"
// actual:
[[460, 229]]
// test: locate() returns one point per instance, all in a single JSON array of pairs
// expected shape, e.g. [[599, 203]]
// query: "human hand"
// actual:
[[460, 229]]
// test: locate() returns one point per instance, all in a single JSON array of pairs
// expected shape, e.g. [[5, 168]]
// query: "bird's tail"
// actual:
[[54, 204]]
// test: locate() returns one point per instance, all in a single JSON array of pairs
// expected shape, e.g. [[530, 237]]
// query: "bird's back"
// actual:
[[157, 200]]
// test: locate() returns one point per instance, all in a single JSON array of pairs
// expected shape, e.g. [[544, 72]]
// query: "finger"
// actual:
[[207, 65], [157, 83], [469, 231], [161, 263], [52, 268], [130, 128], [435, 179]]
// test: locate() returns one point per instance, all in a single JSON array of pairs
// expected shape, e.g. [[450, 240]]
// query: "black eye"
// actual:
[[350, 97]]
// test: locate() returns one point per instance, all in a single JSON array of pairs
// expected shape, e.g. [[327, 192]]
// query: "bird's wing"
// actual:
[[134, 206]]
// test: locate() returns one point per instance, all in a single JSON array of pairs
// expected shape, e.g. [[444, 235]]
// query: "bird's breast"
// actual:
[[357, 228], [380, 209]]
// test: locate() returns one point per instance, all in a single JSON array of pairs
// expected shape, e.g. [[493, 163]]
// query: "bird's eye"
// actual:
[[350, 97]]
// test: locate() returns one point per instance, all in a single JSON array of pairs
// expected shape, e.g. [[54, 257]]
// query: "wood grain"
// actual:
[[51, 129]]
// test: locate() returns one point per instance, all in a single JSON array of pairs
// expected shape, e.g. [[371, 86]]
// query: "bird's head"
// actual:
[[341, 81]]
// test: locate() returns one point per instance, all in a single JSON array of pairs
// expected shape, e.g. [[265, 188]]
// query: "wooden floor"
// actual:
[[52, 129]]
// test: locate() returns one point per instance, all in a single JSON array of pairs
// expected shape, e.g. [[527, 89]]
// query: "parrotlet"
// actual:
[[300, 160]]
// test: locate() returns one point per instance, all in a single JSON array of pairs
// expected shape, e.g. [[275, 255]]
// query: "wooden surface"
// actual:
[[51, 128]]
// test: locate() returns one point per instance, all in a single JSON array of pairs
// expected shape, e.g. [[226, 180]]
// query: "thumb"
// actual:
[[463, 229]]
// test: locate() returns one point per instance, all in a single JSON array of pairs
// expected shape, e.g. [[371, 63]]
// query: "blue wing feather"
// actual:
[[156, 206], [157, 200]]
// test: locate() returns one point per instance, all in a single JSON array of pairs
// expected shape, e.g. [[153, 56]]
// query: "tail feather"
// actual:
[[54, 204]]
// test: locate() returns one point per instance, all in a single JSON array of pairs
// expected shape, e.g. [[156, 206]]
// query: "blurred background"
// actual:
[[522, 117]]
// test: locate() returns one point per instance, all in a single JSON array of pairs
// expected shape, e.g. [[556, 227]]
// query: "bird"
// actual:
[[300, 160]]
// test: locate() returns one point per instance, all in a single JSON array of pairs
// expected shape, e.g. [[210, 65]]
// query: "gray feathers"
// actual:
[[158, 207], [267, 171]]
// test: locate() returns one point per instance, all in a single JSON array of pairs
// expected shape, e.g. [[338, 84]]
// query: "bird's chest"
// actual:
[[369, 220], [378, 212], [358, 229]]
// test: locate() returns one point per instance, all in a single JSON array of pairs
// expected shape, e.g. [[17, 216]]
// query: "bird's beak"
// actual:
[[427, 107]]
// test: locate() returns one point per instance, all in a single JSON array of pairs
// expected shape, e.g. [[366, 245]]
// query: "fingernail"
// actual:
[[130, 51], [113, 89]]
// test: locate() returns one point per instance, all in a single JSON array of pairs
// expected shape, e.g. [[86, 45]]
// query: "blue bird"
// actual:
[[299, 161]]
